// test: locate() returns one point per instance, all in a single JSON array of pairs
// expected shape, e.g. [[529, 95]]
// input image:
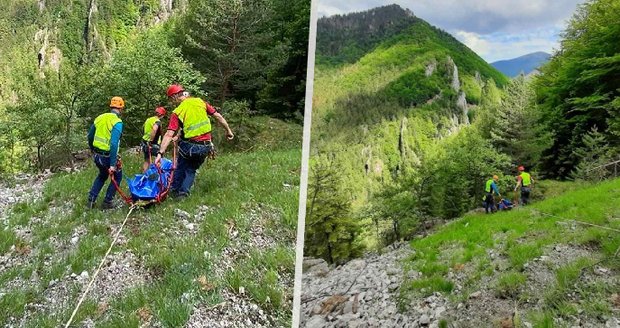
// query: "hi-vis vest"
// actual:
[[103, 130], [487, 188], [192, 113], [148, 127], [526, 179]]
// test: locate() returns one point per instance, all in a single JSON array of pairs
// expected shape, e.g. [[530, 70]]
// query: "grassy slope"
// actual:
[[519, 236], [238, 188]]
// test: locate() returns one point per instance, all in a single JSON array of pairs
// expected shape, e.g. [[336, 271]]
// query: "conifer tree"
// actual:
[[592, 157], [331, 232]]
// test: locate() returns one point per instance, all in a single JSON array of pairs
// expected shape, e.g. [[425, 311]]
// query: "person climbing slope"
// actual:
[[191, 116], [103, 139], [526, 182], [490, 188], [152, 137]]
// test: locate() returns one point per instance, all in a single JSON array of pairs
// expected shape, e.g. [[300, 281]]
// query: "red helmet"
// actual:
[[160, 111], [174, 89], [521, 168]]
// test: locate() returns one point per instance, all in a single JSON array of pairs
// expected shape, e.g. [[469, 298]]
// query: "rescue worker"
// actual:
[[490, 188], [526, 182], [152, 136], [103, 139], [191, 116]]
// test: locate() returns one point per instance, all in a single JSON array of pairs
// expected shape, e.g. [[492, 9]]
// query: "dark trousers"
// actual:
[[489, 203], [191, 157], [103, 164], [149, 150], [525, 195]]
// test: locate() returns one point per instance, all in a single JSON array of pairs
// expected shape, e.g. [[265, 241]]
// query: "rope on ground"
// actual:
[[92, 280], [576, 221]]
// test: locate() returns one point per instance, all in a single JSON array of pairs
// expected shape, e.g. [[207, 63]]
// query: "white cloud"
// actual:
[[501, 46], [480, 16], [495, 29], [474, 42]]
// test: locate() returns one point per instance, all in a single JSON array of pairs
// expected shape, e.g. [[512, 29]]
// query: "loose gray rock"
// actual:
[[425, 320], [181, 214]]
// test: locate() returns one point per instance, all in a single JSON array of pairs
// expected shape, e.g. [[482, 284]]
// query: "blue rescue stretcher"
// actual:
[[505, 205], [151, 184], [149, 187]]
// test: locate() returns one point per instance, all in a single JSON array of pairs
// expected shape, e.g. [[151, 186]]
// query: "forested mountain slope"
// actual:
[[63, 60], [376, 120]]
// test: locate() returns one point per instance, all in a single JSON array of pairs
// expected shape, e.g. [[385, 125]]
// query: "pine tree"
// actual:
[[331, 232], [515, 130], [231, 42], [592, 157]]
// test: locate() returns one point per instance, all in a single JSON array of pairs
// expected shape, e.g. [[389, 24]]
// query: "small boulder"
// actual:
[[425, 320], [475, 294], [181, 214]]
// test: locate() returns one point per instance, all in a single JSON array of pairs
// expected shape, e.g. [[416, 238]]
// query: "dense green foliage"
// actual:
[[346, 38], [253, 50], [515, 130], [329, 223], [394, 124], [62, 61], [580, 87], [417, 122]]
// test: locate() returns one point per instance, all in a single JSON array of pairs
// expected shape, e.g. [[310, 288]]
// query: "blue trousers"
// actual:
[[103, 164], [191, 157]]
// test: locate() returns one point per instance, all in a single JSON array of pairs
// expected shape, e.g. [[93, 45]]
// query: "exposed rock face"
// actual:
[[402, 146], [430, 68], [89, 28], [165, 7], [43, 37], [55, 58], [461, 103], [456, 84]]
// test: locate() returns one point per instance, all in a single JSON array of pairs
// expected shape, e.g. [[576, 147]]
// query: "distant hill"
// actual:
[[526, 63]]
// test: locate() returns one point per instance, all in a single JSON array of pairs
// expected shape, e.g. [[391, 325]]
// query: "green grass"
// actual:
[[521, 235], [427, 286], [509, 284], [238, 188], [7, 239], [521, 254]]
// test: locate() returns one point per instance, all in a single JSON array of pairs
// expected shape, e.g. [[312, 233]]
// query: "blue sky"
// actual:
[[495, 29]]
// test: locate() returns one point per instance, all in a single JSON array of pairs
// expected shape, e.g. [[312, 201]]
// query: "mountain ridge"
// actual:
[[525, 64]]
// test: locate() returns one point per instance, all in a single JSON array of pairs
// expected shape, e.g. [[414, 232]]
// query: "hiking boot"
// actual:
[[91, 204], [179, 195], [107, 206]]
